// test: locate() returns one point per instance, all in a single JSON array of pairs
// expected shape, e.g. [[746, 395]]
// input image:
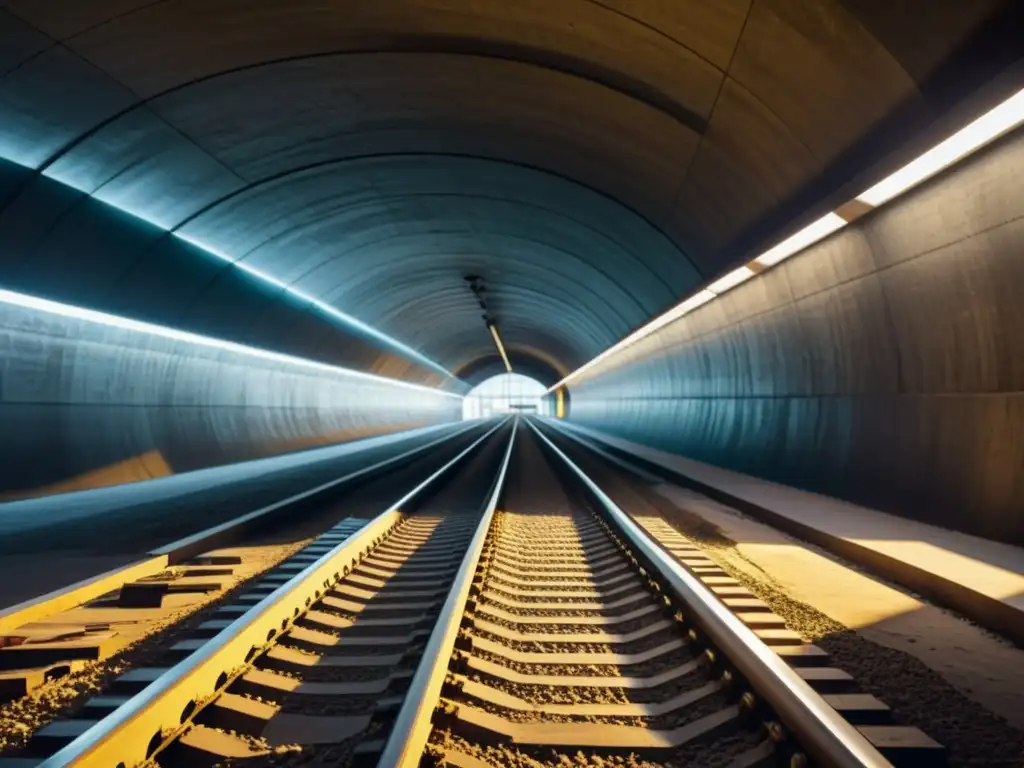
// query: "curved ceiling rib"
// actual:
[[518, 55]]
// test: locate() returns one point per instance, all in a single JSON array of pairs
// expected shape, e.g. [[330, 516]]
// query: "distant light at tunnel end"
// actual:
[[116, 321], [982, 131]]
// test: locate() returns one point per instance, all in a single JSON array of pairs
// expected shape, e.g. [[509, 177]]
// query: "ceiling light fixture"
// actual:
[[501, 347], [479, 289]]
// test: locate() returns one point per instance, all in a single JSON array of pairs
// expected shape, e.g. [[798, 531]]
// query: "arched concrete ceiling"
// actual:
[[592, 159]]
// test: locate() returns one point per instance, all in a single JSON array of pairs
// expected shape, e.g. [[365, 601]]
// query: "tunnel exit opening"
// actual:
[[506, 393]]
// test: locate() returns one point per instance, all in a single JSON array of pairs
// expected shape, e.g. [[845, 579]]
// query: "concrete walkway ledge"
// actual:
[[980, 579]]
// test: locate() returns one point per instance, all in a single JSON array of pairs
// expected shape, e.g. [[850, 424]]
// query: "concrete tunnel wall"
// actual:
[[84, 405], [884, 365]]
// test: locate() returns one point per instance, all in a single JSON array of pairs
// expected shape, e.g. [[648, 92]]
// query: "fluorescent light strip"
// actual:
[[806, 237], [20, 163], [138, 326], [731, 280], [982, 131], [259, 275], [698, 299], [809, 235], [320, 305], [501, 347], [323, 307]]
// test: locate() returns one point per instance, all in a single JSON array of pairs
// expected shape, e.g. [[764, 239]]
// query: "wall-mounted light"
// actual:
[[987, 128]]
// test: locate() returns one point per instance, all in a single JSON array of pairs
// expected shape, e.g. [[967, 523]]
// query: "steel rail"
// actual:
[[151, 719], [79, 592], [413, 724], [819, 729]]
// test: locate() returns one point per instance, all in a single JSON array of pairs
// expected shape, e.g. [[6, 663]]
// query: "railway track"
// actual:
[[332, 684], [567, 650], [72, 656], [549, 629]]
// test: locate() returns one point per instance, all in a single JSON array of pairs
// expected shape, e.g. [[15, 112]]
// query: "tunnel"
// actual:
[[690, 330], [317, 181]]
